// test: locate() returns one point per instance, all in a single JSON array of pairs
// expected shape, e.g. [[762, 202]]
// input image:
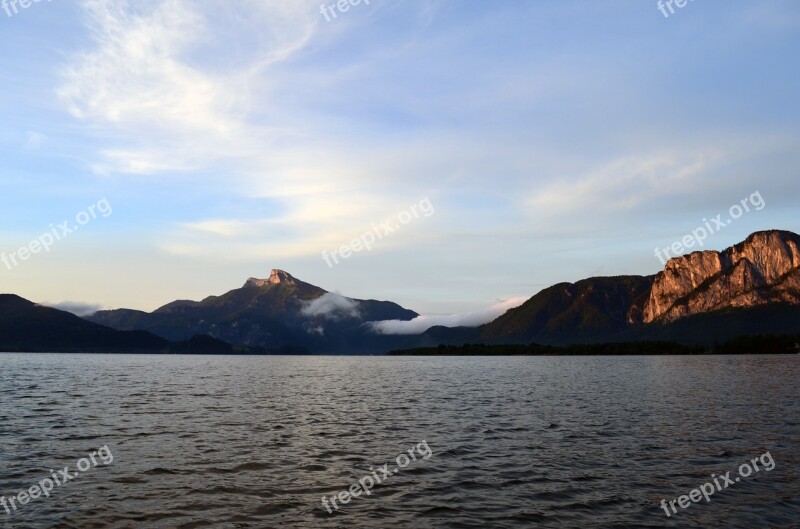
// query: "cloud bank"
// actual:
[[423, 323]]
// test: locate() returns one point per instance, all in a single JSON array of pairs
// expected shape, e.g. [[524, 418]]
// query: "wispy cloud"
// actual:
[[35, 140], [237, 133], [141, 82], [154, 83], [626, 182]]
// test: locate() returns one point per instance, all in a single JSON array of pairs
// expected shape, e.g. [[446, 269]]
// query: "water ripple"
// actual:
[[255, 442]]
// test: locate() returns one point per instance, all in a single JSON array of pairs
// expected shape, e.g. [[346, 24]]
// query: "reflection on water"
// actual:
[[256, 442]]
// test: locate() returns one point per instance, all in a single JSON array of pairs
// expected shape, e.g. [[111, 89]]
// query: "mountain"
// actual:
[[27, 327], [762, 270], [700, 298], [274, 312], [586, 310]]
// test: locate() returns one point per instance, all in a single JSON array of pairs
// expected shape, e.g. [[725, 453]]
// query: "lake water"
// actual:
[[545, 442]]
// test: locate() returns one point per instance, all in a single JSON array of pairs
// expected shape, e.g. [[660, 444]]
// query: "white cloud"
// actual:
[[319, 330], [626, 183], [75, 307], [258, 100], [332, 307], [221, 227], [142, 84], [421, 324], [190, 85], [34, 140]]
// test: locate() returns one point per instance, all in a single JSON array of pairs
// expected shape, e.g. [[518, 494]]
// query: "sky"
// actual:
[[482, 150]]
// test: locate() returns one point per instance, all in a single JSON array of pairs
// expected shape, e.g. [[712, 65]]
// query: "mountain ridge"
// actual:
[[762, 270], [697, 299], [703, 286], [27, 326], [278, 311]]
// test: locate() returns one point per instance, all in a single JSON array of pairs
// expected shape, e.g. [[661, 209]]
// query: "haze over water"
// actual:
[[548, 442]]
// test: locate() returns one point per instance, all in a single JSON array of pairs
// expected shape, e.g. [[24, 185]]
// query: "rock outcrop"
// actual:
[[277, 277], [763, 269]]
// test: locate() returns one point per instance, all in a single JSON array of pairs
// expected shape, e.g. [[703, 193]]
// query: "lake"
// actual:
[[502, 442]]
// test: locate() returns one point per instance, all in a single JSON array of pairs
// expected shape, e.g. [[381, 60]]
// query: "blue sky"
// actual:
[[556, 139]]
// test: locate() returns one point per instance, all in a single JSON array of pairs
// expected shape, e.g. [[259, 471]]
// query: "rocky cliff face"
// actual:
[[277, 277], [764, 269]]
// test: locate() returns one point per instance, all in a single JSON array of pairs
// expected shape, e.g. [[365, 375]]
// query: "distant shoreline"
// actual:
[[745, 345], [767, 344]]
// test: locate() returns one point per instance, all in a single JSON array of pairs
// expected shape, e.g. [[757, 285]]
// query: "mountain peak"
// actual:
[[276, 277]]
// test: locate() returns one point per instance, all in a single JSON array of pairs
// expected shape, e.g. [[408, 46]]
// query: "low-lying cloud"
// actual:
[[332, 307], [75, 307], [421, 324]]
